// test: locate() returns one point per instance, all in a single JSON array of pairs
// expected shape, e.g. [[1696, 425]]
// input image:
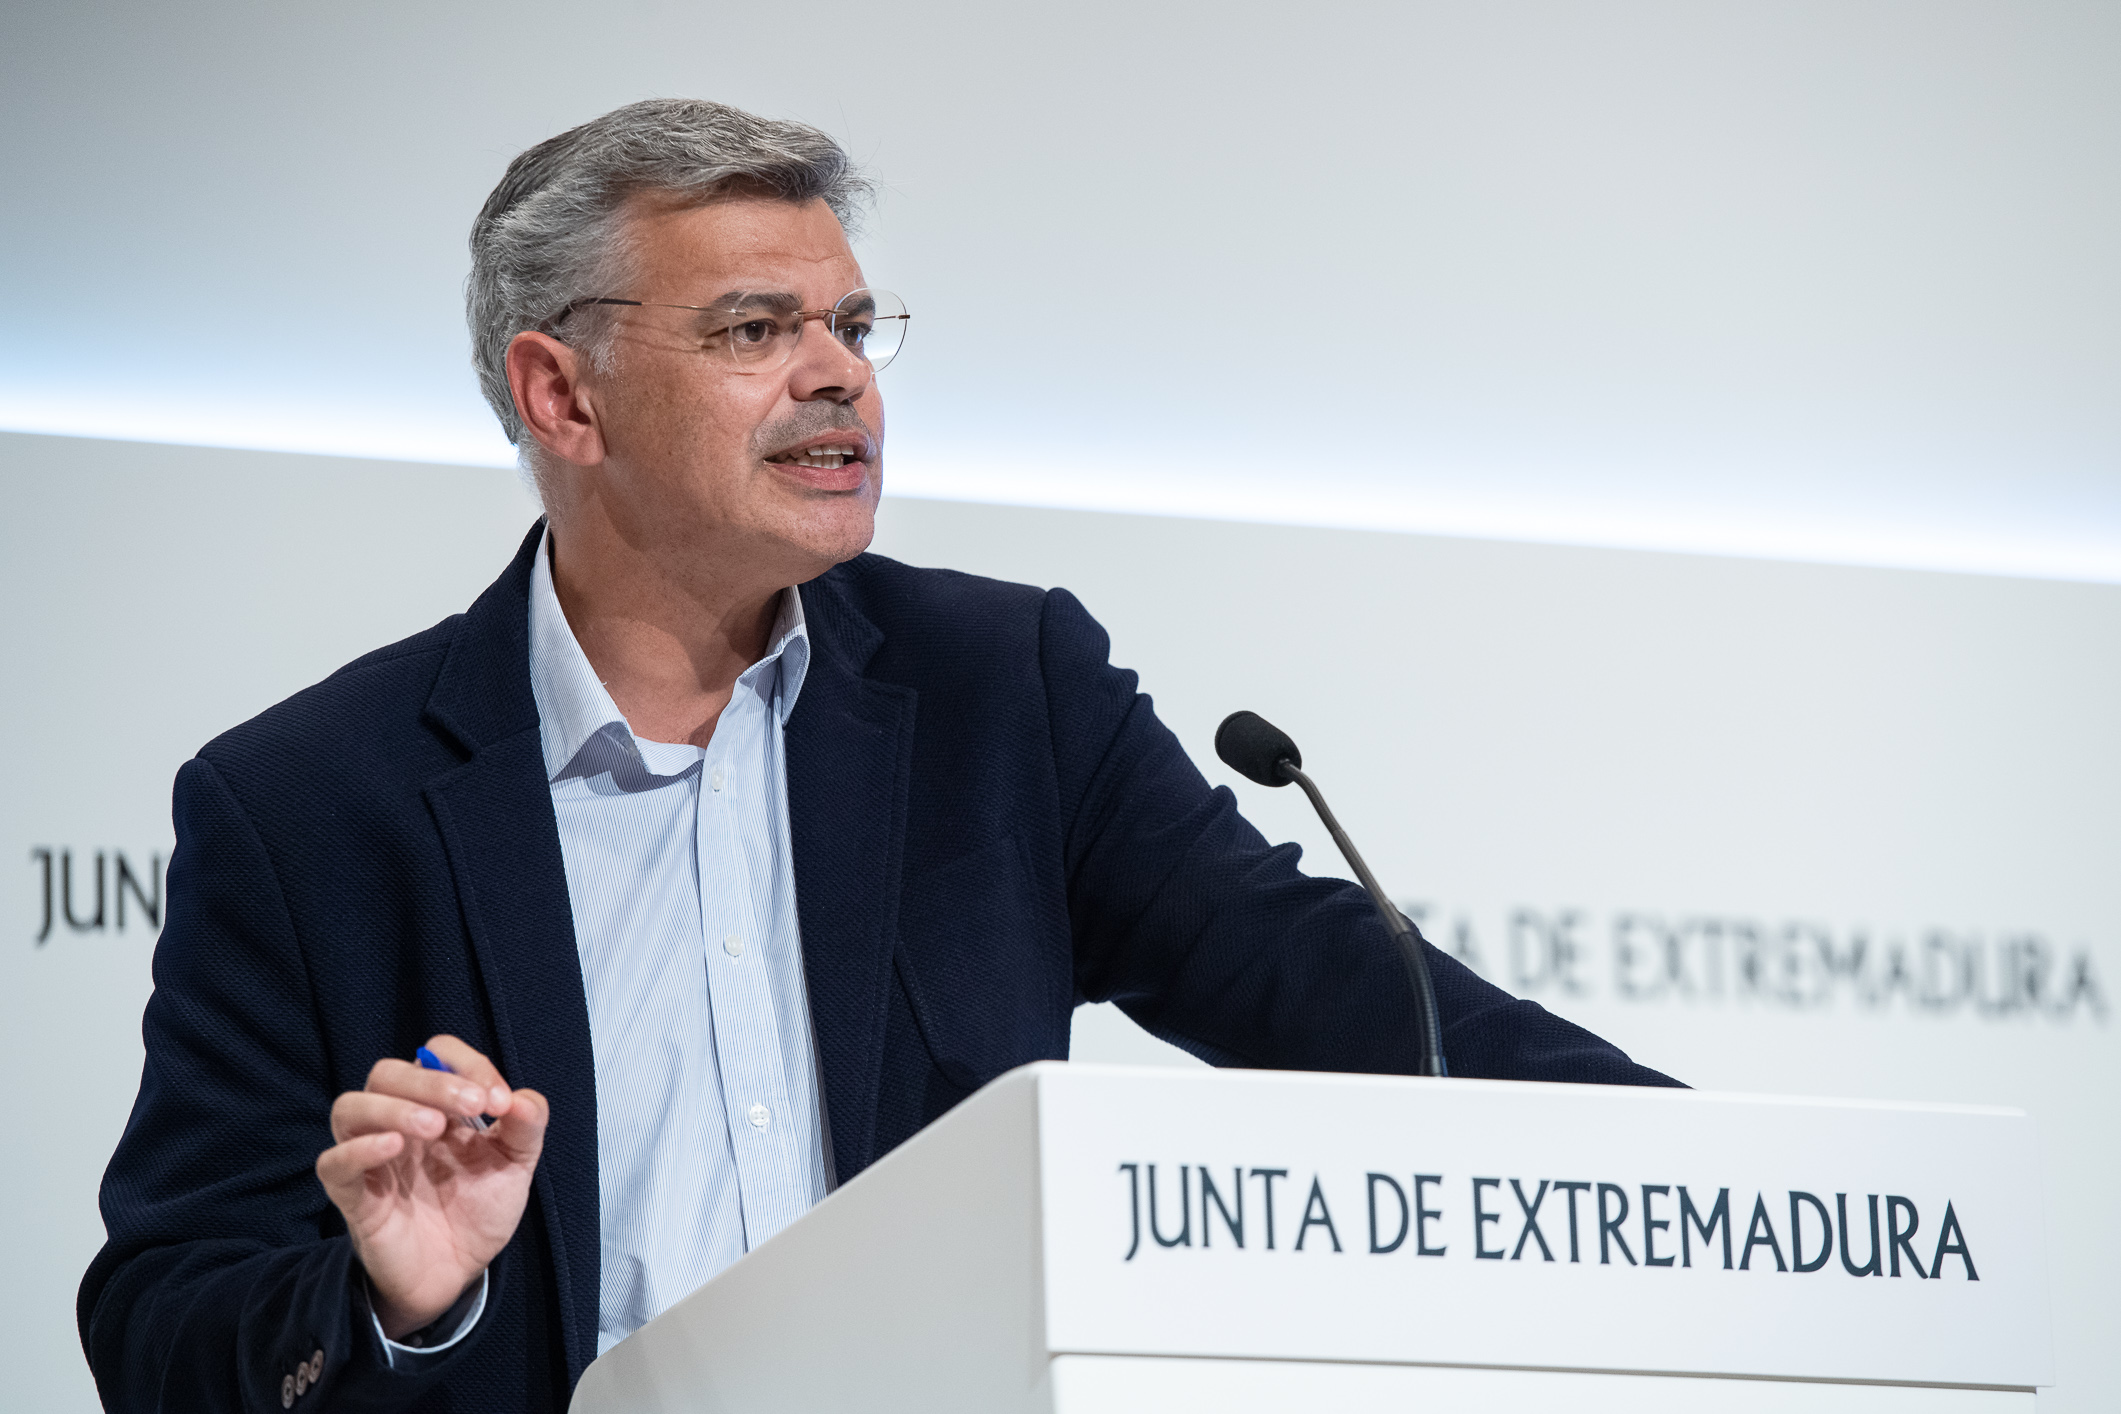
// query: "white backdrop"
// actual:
[[1667, 796]]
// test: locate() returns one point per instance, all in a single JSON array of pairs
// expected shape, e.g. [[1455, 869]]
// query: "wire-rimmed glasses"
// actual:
[[756, 331]]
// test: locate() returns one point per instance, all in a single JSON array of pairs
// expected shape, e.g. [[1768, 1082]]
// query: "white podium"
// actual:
[[1118, 1239]]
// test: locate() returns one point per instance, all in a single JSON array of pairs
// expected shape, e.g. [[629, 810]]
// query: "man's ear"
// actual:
[[545, 376]]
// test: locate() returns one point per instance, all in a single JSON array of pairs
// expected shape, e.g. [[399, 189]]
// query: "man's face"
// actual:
[[696, 446]]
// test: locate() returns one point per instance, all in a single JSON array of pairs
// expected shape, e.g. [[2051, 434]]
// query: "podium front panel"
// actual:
[[1386, 1219], [1079, 1238]]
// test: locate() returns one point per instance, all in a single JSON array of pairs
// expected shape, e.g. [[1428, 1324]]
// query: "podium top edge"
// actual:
[[1042, 1072]]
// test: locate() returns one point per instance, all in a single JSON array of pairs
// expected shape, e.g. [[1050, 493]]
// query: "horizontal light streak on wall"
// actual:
[[1443, 505], [283, 427], [1441, 508]]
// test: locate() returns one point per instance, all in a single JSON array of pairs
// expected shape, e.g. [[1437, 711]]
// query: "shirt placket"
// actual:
[[755, 1089]]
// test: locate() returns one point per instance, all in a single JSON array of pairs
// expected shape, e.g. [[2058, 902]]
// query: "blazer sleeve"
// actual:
[[1211, 938], [228, 1281]]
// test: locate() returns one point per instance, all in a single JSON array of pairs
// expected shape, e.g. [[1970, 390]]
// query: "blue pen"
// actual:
[[430, 1061]]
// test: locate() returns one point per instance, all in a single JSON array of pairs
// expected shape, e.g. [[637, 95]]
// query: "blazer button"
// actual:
[[301, 1379], [316, 1367], [287, 1392]]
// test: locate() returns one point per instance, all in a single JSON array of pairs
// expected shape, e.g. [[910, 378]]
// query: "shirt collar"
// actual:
[[573, 706]]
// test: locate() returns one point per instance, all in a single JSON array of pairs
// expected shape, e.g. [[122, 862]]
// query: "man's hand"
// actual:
[[430, 1201]]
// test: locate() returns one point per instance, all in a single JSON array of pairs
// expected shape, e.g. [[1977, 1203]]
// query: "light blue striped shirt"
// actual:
[[682, 884]]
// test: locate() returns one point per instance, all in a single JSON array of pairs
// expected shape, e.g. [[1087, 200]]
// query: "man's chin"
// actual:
[[833, 529]]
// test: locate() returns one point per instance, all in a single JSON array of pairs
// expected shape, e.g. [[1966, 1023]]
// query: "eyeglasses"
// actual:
[[757, 330]]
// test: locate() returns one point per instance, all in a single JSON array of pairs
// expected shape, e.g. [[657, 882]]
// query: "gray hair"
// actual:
[[553, 230]]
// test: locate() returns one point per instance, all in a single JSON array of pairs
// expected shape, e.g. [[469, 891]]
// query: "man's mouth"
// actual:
[[830, 457]]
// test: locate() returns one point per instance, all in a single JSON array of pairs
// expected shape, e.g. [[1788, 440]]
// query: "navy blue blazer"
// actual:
[[989, 823]]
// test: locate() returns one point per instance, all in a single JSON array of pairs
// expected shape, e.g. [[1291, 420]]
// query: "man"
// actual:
[[708, 857]]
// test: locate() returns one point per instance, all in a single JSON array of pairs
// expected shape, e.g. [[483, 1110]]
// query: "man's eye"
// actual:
[[755, 331], [853, 335]]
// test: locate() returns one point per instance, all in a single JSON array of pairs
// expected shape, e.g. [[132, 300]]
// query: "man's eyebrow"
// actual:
[[780, 301]]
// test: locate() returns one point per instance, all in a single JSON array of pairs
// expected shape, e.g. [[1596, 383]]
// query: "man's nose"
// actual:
[[825, 369]]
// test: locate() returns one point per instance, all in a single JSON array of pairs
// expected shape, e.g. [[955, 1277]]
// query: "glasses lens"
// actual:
[[872, 323], [755, 328]]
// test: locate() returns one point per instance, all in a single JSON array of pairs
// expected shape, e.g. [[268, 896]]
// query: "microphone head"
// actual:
[[1254, 747]]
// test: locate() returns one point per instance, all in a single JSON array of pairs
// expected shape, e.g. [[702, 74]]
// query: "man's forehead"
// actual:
[[744, 242]]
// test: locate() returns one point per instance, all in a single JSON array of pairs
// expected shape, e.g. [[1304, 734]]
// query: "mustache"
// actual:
[[811, 420]]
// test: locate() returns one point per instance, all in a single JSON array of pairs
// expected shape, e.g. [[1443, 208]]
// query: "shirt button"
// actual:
[[759, 1116], [714, 778], [733, 945]]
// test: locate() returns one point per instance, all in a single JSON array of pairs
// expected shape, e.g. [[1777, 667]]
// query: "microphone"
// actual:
[[1260, 751]]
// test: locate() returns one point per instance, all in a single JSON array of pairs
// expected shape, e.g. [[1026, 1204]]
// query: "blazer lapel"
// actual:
[[850, 755], [495, 815]]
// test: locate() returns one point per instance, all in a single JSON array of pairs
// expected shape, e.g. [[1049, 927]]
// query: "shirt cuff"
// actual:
[[434, 1337]]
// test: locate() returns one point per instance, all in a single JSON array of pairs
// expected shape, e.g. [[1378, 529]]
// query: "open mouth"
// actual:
[[830, 457]]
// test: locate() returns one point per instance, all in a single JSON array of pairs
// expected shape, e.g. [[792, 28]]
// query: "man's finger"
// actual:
[[461, 1058], [438, 1089], [364, 1112], [343, 1167], [521, 1129], [474, 1067]]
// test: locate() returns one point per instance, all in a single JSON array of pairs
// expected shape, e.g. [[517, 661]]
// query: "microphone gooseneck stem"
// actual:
[[1427, 1020]]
